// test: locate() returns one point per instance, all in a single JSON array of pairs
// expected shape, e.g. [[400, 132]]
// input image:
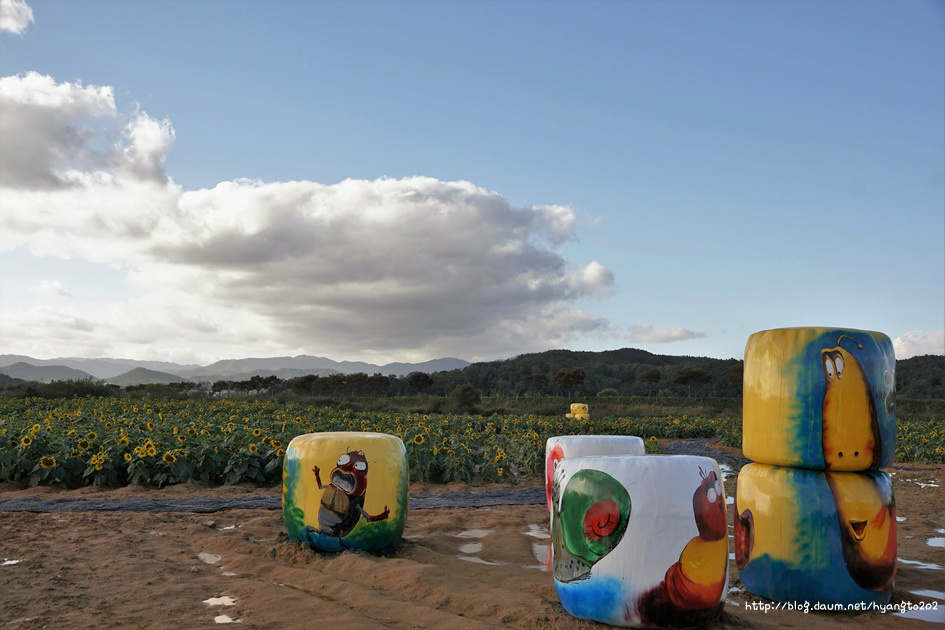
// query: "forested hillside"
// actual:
[[632, 372], [921, 377]]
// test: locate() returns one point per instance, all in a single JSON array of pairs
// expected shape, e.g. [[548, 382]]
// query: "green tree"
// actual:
[[735, 374], [569, 379], [692, 377], [377, 385], [651, 377], [419, 381]]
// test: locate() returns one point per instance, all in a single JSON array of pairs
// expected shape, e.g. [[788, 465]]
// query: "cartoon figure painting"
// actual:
[[342, 504], [663, 563], [850, 428], [344, 511], [807, 535], [691, 591], [866, 514], [819, 398]]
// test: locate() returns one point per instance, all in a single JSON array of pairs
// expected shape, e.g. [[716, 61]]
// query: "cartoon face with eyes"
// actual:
[[691, 590], [866, 511], [342, 503], [851, 438]]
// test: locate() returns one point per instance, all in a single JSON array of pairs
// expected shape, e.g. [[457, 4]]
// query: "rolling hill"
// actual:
[[44, 373]]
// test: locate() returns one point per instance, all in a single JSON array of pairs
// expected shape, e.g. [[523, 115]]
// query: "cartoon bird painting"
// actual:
[[691, 591], [342, 503], [851, 437], [866, 511]]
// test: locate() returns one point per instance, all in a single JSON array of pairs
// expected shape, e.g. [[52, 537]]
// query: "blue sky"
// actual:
[[400, 181]]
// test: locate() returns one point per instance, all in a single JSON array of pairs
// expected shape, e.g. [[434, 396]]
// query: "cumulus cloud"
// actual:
[[59, 135], [385, 264], [407, 268], [917, 343], [15, 16], [645, 333]]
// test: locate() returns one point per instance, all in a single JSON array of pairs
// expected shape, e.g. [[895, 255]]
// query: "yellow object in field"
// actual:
[[578, 411]]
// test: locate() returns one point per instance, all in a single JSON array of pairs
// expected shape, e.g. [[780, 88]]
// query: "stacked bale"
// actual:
[[815, 518]]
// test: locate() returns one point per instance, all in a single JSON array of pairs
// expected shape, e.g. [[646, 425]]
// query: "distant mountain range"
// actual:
[[126, 372]]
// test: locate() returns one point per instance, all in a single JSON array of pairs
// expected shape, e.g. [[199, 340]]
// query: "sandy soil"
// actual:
[[455, 568]]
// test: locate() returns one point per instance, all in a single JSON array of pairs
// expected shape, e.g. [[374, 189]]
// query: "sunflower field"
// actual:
[[116, 441]]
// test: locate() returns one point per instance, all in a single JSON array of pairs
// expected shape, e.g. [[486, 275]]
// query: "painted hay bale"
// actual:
[[345, 490], [579, 411], [815, 536], [820, 398], [640, 541]]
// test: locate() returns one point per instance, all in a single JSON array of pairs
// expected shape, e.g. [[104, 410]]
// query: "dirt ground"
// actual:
[[455, 568]]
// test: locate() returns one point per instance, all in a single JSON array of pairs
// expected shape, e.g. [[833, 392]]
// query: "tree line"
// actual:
[[626, 372]]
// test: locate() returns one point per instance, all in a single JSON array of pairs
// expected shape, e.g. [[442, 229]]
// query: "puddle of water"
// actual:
[[537, 531], [731, 556], [940, 531], [470, 548], [474, 533], [7, 563], [209, 558], [729, 500], [900, 519], [923, 484], [542, 553], [921, 565], [226, 619], [223, 600], [932, 594], [925, 614], [935, 542]]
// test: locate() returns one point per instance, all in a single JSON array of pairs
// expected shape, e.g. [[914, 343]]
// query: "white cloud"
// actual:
[[46, 131], [645, 333], [51, 288], [917, 343], [15, 16], [399, 269]]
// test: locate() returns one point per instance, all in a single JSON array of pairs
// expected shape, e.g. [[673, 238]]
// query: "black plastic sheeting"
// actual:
[[523, 496], [526, 496]]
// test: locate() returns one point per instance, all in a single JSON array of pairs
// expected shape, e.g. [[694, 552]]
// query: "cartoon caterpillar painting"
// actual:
[[342, 503], [691, 591], [851, 437]]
